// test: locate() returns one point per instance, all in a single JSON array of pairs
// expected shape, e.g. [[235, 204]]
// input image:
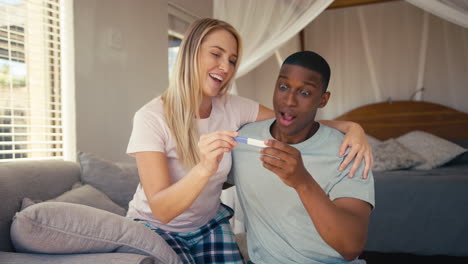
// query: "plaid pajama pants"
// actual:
[[212, 243]]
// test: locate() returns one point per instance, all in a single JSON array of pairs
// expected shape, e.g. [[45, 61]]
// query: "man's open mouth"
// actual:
[[286, 118]]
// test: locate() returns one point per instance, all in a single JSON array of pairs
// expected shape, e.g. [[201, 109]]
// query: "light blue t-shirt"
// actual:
[[279, 229]]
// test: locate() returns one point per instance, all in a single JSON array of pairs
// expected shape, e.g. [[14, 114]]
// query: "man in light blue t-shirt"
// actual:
[[298, 207]]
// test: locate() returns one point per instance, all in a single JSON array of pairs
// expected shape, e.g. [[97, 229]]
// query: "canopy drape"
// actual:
[[265, 25], [455, 11]]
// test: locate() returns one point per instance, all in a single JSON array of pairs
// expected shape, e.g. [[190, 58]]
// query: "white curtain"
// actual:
[[265, 25], [455, 11], [390, 51]]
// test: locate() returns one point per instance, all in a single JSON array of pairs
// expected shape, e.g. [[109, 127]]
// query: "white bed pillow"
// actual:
[[435, 150]]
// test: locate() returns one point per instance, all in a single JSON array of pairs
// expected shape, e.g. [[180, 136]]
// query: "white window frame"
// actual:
[[68, 80]]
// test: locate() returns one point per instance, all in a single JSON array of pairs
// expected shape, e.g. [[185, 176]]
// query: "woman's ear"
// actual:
[[324, 99]]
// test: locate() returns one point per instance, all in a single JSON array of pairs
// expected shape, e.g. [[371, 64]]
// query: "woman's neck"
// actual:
[[205, 107]]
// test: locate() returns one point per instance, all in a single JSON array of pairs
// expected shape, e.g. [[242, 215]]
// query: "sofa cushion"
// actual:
[[66, 228], [34, 179], [118, 181], [85, 195], [114, 258]]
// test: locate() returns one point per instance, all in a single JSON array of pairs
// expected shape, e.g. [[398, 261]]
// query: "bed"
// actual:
[[422, 212]]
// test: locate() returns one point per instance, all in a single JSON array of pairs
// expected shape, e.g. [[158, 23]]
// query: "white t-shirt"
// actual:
[[151, 133]]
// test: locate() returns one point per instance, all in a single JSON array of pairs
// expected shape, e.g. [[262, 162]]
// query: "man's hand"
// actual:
[[286, 162]]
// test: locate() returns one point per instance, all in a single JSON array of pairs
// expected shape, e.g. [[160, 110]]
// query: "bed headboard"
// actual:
[[393, 119]]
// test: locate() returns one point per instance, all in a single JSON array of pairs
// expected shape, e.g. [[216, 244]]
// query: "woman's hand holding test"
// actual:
[[212, 147]]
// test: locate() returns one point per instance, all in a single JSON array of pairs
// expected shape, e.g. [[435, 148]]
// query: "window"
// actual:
[[30, 80], [179, 21], [174, 43]]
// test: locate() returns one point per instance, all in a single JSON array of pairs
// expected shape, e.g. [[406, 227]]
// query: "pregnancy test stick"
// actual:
[[250, 141]]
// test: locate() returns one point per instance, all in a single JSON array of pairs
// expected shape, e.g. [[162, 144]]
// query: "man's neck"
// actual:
[[296, 138]]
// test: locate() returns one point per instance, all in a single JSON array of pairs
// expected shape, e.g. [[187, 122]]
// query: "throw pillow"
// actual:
[[391, 155], [118, 181], [66, 228], [435, 150], [85, 195]]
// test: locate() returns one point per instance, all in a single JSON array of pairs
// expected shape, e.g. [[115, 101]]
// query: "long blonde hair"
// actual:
[[184, 95]]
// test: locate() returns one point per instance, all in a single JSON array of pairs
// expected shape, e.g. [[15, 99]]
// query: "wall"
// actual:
[[199, 8], [120, 64]]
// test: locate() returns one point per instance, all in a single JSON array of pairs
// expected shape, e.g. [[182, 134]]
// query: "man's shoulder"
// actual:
[[326, 142], [330, 136], [334, 134]]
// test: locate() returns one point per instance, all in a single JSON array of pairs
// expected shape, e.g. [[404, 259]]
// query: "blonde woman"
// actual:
[[182, 142]]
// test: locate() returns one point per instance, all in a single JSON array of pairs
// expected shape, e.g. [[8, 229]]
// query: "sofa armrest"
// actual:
[[111, 258]]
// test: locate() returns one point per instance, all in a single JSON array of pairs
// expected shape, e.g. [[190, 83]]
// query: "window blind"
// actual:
[[30, 87]]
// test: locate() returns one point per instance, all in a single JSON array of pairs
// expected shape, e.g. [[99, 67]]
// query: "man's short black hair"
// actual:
[[312, 61]]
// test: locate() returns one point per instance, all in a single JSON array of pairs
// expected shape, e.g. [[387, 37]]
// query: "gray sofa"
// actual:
[[25, 239]]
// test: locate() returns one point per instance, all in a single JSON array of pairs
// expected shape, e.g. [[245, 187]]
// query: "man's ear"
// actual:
[[324, 99]]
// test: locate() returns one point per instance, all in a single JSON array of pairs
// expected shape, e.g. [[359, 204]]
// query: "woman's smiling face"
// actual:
[[298, 94], [218, 58]]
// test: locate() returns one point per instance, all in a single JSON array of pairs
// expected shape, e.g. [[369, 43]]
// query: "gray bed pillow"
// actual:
[[435, 150], [66, 228], [391, 155], [85, 195], [118, 181], [373, 141]]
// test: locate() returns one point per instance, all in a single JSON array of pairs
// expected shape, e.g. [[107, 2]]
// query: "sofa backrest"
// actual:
[[37, 180], [117, 180]]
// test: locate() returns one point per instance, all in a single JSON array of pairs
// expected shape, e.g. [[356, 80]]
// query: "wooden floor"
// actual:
[[392, 258]]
